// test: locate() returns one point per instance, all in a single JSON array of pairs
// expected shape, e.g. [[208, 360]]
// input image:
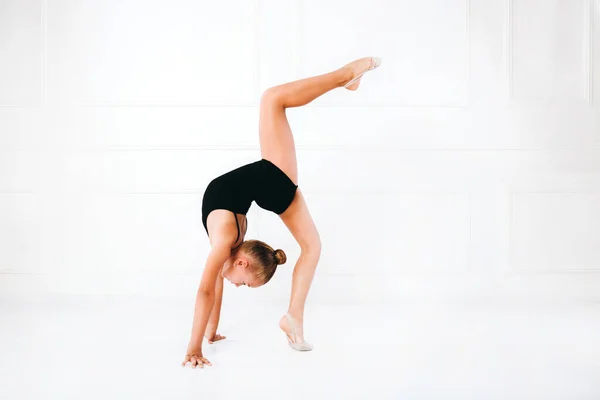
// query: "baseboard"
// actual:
[[583, 286]]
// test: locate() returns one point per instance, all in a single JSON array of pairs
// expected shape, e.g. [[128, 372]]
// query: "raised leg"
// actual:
[[276, 139]]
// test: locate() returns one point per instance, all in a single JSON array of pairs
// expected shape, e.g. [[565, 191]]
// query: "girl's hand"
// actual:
[[214, 338], [196, 359]]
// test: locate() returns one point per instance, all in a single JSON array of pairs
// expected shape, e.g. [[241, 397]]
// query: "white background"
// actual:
[[469, 162], [473, 150]]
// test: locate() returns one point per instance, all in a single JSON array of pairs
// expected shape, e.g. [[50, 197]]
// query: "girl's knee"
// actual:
[[271, 96], [312, 249]]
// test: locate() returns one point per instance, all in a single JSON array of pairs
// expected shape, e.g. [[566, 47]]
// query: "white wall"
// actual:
[[474, 151]]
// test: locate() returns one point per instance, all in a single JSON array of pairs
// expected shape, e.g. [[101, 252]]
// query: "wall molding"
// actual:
[[508, 48], [198, 105], [519, 192], [257, 44], [298, 53], [42, 38], [257, 104], [469, 78], [339, 148], [513, 265], [470, 248], [307, 192], [575, 286], [44, 54], [588, 60], [589, 56]]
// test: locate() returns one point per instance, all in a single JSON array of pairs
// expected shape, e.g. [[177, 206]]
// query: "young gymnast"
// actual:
[[272, 183]]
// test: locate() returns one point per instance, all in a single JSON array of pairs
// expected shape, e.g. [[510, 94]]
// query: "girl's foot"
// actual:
[[284, 325], [358, 68], [293, 330]]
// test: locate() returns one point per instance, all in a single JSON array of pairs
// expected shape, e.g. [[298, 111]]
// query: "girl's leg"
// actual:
[[276, 139], [277, 145], [298, 220]]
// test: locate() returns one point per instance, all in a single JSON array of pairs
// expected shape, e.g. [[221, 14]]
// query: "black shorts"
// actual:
[[277, 189], [261, 181]]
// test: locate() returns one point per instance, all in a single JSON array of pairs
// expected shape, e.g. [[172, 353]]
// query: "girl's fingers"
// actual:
[[195, 361]]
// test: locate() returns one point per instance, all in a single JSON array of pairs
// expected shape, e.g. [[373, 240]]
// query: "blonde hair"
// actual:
[[264, 259]]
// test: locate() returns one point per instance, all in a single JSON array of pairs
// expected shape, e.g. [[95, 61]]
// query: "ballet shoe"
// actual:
[[375, 62], [303, 346]]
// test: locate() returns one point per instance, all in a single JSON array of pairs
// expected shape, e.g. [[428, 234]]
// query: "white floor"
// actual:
[[131, 348]]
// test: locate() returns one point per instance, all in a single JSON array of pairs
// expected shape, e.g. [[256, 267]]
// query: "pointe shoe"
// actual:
[[375, 62], [304, 346]]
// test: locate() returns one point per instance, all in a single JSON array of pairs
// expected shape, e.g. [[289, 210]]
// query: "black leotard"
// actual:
[[260, 181]]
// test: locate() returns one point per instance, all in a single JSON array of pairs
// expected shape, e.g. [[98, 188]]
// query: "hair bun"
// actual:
[[280, 257]]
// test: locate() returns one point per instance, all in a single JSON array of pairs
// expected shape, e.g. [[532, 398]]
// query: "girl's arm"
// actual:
[[213, 322], [205, 299]]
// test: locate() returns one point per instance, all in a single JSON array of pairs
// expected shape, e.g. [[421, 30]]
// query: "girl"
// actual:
[[272, 183]]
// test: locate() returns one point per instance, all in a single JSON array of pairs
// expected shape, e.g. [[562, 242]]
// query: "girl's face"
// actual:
[[237, 271]]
